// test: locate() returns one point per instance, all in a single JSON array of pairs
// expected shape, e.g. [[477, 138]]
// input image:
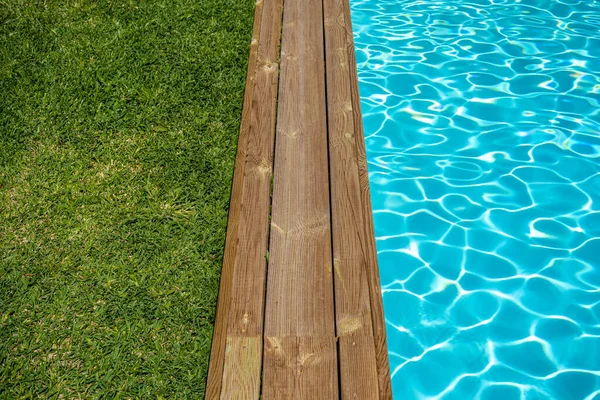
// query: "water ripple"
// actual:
[[482, 124]]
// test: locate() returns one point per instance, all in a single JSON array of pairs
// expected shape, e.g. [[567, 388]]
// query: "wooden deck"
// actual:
[[299, 314]]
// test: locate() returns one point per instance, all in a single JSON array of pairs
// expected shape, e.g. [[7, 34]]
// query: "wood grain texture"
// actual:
[[246, 308], [241, 374], [300, 288], [300, 353], [358, 373], [217, 355], [300, 368], [358, 367], [352, 304], [367, 231], [247, 305], [321, 229]]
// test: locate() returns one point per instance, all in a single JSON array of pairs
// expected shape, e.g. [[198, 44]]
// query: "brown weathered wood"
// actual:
[[217, 356], [300, 290], [353, 308], [367, 231], [246, 315], [241, 374], [321, 227], [246, 307], [300, 368], [358, 374], [358, 367]]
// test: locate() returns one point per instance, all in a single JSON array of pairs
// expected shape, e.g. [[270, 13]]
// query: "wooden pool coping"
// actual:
[[299, 312]]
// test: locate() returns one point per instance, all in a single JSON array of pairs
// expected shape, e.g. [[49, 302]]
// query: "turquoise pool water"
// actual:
[[482, 125]]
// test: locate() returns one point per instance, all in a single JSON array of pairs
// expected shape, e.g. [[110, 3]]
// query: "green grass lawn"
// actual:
[[118, 128]]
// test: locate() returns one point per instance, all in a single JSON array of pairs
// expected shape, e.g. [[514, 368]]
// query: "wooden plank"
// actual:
[[246, 313], [300, 288], [247, 307], [358, 367], [241, 375], [367, 232], [299, 305], [352, 304], [307, 358], [217, 355], [300, 323]]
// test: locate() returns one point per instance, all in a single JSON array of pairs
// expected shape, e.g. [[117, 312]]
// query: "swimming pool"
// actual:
[[482, 126]]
